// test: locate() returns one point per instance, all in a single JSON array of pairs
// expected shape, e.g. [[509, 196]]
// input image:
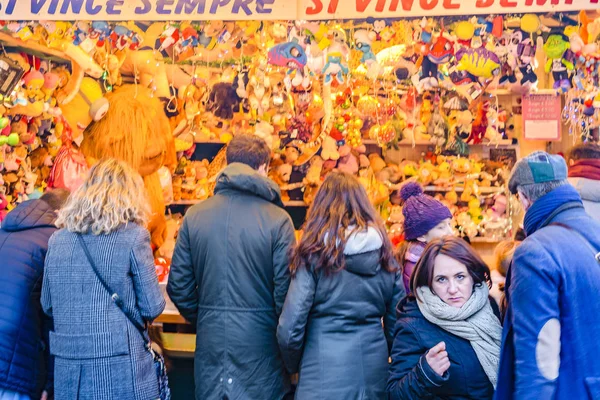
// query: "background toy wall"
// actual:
[[437, 100]]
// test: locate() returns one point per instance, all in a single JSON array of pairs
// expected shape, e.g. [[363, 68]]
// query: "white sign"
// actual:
[[147, 10], [355, 9]]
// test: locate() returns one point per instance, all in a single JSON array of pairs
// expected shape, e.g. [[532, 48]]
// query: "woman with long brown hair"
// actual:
[[345, 281], [447, 337]]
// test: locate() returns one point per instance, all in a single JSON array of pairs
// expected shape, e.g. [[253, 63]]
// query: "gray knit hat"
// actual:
[[538, 167]]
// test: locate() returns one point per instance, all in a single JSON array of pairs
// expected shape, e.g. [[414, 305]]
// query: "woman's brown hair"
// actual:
[[455, 248], [341, 203]]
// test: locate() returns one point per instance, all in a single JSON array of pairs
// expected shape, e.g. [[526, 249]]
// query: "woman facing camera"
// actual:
[[345, 281], [99, 353], [447, 342]]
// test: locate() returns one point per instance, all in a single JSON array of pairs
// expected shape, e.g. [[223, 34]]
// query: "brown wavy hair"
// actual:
[[455, 248], [340, 203]]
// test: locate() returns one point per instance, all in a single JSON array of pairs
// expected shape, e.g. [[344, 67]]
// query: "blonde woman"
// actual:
[[99, 353]]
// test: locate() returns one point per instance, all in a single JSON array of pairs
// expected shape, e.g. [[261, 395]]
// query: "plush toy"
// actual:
[[475, 211], [86, 106], [34, 81], [480, 62], [223, 100], [363, 40], [461, 167], [506, 50], [376, 162], [329, 151], [437, 52], [335, 66], [136, 130], [168, 247], [348, 162], [556, 48], [480, 124], [265, 131], [427, 173], [436, 128]]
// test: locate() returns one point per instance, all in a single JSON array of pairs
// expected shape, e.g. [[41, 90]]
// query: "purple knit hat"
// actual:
[[421, 212]]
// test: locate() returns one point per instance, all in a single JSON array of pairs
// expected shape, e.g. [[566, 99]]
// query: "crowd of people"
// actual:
[[341, 313]]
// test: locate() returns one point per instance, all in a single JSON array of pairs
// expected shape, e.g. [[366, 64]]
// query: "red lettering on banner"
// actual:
[[449, 5], [407, 5], [316, 8], [541, 2], [508, 3], [428, 4], [361, 5], [484, 3], [332, 6], [380, 5]]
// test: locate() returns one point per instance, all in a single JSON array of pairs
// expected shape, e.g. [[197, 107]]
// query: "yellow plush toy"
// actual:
[[136, 130], [78, 112]]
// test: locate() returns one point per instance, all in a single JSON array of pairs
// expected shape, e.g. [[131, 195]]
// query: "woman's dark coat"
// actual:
[[412, 378], [331, 329]]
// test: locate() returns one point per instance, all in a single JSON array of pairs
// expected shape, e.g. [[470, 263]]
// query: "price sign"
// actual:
[[541, 117]]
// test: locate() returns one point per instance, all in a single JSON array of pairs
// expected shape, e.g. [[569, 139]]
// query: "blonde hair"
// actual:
[[504, 253], [113, 194]]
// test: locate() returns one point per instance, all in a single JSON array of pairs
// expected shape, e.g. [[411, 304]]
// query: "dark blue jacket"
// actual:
[[412, 378], [550, 346], [23, 328]]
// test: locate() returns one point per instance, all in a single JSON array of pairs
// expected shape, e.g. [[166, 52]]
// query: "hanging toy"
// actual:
[[100, 32], [437, 128], [336, 66], [439, 52], [464, 31], [530, 23], [506, 50], [480, 124], [480, 62], [556, 49], [289, 55], [526, 61], [363, 41]]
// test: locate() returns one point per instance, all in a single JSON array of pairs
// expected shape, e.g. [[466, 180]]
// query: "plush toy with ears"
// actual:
[[136, 130]]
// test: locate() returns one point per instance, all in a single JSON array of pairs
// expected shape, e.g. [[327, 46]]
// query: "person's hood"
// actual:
[[242, 178], [362, 252], [29, 215], [588, 189]]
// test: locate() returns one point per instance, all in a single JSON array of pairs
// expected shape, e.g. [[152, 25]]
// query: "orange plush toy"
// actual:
[[136, 130]]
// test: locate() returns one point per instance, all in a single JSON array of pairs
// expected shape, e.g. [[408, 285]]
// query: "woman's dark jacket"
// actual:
[[331, 328], [412, 378]]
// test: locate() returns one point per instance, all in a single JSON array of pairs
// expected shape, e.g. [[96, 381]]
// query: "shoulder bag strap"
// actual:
[[114, 296], [594, 251]]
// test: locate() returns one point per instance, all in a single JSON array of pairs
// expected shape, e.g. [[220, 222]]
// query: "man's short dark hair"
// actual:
[[248, 149], [585, 151], [56, 198]]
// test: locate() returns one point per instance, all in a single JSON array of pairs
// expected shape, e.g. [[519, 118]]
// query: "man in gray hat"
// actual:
[[550, 344]]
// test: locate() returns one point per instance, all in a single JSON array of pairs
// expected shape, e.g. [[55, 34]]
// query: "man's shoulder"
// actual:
[[255, 204]]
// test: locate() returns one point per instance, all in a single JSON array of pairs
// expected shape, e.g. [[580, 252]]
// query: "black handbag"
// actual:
[[159, 361]]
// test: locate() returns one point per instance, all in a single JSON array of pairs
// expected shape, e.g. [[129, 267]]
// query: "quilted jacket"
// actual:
[[23, 245]]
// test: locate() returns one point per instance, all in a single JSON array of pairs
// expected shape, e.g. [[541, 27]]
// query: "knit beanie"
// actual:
[[421, 212]]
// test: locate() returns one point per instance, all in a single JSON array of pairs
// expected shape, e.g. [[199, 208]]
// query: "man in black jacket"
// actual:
[[26, 368], [229, 276]]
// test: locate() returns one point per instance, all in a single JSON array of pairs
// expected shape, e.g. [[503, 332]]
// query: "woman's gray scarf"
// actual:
[[474, 321]]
